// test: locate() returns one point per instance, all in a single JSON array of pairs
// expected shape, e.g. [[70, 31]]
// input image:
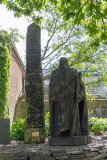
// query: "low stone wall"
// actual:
[[97, 150], [98, 103], [20, 108], [92, 105]]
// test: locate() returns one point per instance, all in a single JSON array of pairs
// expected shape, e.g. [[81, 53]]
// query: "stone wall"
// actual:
[[98, 103], [20, 107], [97, 150], [92, 105], [17, 78]]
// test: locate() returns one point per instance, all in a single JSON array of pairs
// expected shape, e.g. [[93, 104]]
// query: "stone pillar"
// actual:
[[34, 125]]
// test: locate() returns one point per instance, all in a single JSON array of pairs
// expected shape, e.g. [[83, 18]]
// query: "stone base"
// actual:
[[69, 141], [34, 135], [4, 131]]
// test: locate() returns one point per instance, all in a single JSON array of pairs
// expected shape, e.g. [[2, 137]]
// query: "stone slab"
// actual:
[[14, 158], [69, 141], [44, 158], [4, 131]]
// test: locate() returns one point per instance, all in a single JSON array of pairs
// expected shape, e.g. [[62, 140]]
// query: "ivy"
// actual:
[[4, 78]]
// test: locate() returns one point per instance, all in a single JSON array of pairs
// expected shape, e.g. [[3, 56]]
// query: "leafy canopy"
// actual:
[[90, 14], [85, 53], [67, 22]]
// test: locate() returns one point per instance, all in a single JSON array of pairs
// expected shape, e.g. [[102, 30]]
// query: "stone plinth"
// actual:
[[4, 131], [69, 141]]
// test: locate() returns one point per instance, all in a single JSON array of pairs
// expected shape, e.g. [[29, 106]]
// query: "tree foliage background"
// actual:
[[76, 29]]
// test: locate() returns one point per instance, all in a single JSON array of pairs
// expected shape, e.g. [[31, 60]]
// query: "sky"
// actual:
[[7, 20]]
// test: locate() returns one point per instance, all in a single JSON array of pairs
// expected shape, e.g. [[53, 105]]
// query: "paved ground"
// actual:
[[19, 146]]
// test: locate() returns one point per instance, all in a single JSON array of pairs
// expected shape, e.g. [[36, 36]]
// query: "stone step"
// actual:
[[22, 156], [15, 158]]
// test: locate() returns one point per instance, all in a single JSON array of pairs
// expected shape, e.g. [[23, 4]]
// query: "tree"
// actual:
[[66, 22], [90, 14], [84, 53]]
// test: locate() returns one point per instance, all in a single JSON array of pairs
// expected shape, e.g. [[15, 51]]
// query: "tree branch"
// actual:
[[88, 57], [97, 10], [81, 9], [100, 14]]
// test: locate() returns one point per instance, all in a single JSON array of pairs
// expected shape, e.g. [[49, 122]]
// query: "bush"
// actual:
[[17, 132], [47, 125], [98, 125]]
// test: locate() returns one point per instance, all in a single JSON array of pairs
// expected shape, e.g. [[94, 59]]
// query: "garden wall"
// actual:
[[98, 103], [20, 108], [92, 106]]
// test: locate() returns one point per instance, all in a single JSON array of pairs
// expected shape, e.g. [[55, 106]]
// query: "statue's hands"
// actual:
[[54, 99], [59, 97], [79, 98]]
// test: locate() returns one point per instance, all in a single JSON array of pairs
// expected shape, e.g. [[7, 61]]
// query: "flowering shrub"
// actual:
[[98, 112]]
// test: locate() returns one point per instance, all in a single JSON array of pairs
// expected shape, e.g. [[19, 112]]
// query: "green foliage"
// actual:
[[14, 35], [84, 53], [4, 78], [98, 125], [91, 14], [76, 29], [47, 125], [17, 132], [91, 113], [46, 90], [90, 96], [6, 43], [18, 127]]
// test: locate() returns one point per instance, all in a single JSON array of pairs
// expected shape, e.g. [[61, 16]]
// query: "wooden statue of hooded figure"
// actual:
[[68, 109]]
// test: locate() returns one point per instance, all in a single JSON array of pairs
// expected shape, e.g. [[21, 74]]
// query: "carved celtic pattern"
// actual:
[[33, 48], [36, 122], [34, 98]]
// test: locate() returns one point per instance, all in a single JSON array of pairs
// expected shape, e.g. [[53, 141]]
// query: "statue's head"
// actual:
[[63, 63]]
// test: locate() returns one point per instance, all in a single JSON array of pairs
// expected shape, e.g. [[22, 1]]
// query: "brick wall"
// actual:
[[16, 81]]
